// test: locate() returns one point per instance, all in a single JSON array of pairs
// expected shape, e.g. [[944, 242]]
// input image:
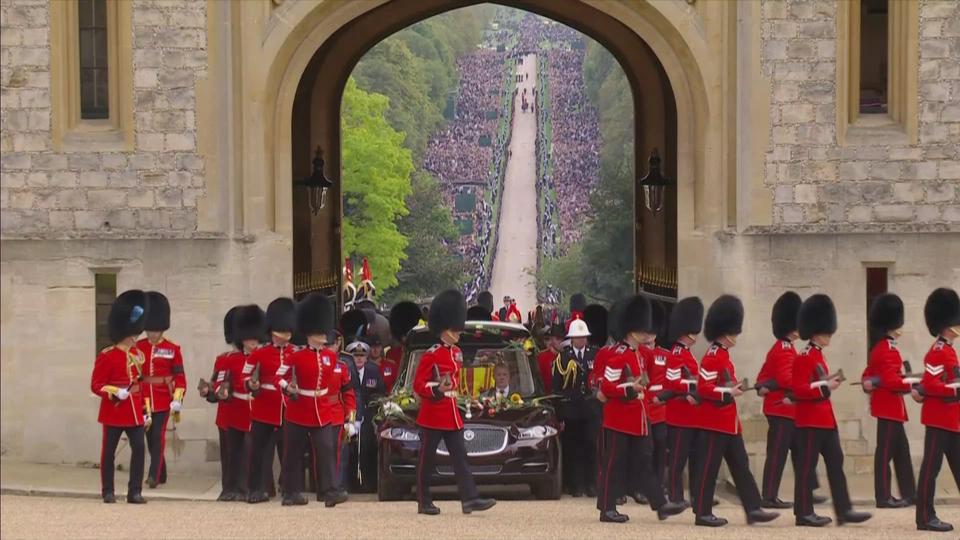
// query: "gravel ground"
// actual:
[[43, 517]]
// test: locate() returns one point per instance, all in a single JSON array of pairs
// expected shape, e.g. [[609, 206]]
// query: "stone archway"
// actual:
[[322, 44]]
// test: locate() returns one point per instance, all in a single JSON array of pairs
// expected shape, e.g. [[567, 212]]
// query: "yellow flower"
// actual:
[[515, 398]]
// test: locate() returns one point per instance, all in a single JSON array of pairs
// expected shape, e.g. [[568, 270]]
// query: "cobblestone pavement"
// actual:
[[46, 517]]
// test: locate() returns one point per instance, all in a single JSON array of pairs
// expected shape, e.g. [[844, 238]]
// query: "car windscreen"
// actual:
[[482, 367]]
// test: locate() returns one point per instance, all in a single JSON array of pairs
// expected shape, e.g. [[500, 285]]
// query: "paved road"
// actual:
[[516, 256], [42, 517]]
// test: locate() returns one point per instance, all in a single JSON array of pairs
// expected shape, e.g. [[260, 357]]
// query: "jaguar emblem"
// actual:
[[468, 435]]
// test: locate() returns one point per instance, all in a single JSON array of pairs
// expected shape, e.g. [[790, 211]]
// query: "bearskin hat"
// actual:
[[315, 315], [817, 316], [282, 315], [485, 299], [158, 316], [448, 311], [128, 315], [658, 314], [886, 313], [783, 317], [404, 317], [596, 316], [353, 323], [556, 330], [942, 310], [635, 316], [686, 318], [613, 320], [228, 322], [578, 302], [248, 323], [724, 318], [478, 313]]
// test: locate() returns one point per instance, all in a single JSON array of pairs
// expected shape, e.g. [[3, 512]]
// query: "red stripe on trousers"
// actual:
[[606, 479], [776, 452], [806, 469], [703, 481], [922, 496]]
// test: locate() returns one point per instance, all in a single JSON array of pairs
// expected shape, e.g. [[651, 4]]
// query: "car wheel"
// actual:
[[391, 491]]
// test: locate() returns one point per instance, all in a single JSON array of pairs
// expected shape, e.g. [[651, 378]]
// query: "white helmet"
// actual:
[[578, 328]]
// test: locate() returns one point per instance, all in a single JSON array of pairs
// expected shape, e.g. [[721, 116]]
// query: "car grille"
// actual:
[[480, 441], [447, 470]]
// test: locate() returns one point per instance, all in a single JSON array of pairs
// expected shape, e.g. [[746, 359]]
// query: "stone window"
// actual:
[[105, 292], [91, 61], [877, 71]]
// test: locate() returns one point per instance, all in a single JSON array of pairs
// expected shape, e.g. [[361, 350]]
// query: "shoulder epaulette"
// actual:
[[938, 345], [108, 349], [622, 349], [434, 348]]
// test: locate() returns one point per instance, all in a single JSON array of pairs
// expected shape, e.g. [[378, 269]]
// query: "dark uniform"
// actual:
[[370, 386], [570, 375], [940, 391]]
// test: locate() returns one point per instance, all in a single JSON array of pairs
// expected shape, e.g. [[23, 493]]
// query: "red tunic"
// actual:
[[545, 362], [599, 363], [677, 380], [325, 395], [810, 390], [162, 372], [621, 412], [655, 364], [886, 366], [236, 408], [941, 409], [390, 366], [717, 375], [438, 412], [223, 409], [778, 368], [117, 368], [268, 403]]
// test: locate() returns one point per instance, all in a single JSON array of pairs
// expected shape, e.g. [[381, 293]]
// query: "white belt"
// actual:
[[313, 393], [656, 387], [267, 386], [244, 397]]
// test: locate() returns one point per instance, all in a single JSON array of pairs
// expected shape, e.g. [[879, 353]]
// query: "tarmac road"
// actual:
[[44, 517]]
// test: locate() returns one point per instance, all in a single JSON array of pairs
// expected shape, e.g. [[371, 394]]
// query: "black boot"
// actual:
[[710, 520], [151, 483], [612, 516], [760, 516], [335, 498], [591, 492], [639, 498], [621, 500], [258, 497], [428, 509], [136, 498], [669, 509], [478, 505], [294, 499], [109, 498], [227, 496], [819, 499], [777, 503], [893, 502], [852, 516], [935, 525], [813, 520]]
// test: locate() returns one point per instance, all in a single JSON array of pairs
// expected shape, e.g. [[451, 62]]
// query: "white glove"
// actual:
[[351, 429], [175, 406], [122, 394]]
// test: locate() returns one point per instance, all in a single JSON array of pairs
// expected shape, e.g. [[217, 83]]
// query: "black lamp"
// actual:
[[654, 185], [317, 184]]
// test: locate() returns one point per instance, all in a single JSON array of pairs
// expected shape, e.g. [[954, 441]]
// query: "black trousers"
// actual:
[[234, 478], [781, 439], [621, 452], [579, 448], [108, 449], [263, 442], [680, 442], [937, 444], [156, 445], [892, 445], [813, 443], [712, 448], [658, 434], [324, 444], [458, 457]]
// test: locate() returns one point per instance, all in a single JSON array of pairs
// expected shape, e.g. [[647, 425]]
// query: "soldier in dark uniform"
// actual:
[[570, 374], [370, 386]]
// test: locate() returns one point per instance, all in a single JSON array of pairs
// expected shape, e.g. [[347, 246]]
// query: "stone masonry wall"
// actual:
[[152, 190], [819, 184]]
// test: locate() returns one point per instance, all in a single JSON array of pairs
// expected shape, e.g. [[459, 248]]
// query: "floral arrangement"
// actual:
[[404, 401]]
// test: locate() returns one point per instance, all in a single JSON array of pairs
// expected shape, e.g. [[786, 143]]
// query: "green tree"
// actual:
[[376, 180]]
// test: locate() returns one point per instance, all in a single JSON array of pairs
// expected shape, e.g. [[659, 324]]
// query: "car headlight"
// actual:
[[537, 432], [399, 434]]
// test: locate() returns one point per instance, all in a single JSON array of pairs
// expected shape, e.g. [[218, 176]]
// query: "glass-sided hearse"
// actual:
[[511, 439]]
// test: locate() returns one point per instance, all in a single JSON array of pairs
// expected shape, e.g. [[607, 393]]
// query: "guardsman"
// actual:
[[655, 364], [679, 395], [549, 356], [436, 381], [404, 316], [812, 386], [206, 392], [598, 322], [570, 376], [164, 382], [625, 427], [722, 432], [884, 378], [320, 400], [231, 390], [116, 379], [266, 410], [939, 391]]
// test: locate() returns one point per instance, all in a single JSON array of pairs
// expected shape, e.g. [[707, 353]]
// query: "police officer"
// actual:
[[266, 412], [884, 379], [939, 391], [812, 386], [569, 379], [371, 386], [435, 381], [116, 379], [164, 382], [722, 432]]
